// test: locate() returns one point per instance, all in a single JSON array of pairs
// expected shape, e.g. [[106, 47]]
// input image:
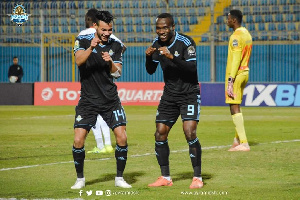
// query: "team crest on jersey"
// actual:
[[76, 45], [78, 118], [111, 52], [191, 51], [235, 43], [176, 54]]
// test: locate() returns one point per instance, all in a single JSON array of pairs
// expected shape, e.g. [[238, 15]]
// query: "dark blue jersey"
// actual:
[[180, 74], [96, 82]]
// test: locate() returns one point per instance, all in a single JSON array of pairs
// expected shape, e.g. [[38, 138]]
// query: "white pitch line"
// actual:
[[142, 155]]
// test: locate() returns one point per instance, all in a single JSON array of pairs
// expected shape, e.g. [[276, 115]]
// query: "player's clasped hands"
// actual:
[[106, 56], [165, 51]]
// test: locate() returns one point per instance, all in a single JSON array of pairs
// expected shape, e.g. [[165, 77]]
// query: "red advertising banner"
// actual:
[[68, 93]]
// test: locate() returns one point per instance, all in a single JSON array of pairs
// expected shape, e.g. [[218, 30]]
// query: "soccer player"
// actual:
[[237, 73], [99, 59], [101, 126], [176, 54], [15, 72]]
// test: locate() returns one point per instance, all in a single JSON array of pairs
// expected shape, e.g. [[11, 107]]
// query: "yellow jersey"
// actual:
[[239, 52]]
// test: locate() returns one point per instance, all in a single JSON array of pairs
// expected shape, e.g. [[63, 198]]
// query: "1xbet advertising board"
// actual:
[[143, 93], [254, 95]]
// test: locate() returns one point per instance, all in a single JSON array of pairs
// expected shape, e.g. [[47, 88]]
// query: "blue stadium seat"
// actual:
[[135, 4], [145, 4], [224, 37], [128, 20], [46, 29], [28, 29], [137, 21], [274, 35], [63, 21], [46, 22], [74, 29], [292, 1], [192, 11], [205, 37], [117, 4], [222, 27], [125, 4], [193, 20], [245, 2], [221, 19], [153, 4], [119, 21], [251, 27], [284, 36], [108, 4], [36, 29], [146, 20], [119, 29], [98, 5], [235, 2], [148, 29], [273, 2], [186, 28], [246, 10], [189, 3], [129, 28], [275, 9], [256, 10], [172, 3], [138, 28], [271, 27], [295, 35], [136, 12], [291, 26], [265, 9], [261, 27], [55, 29], [201, 11], [278, 18], [286, 9], [289, 17], [283, 2], [298, 17], [72, 22], [258, 18], [81, 5], [54, 21], [249, 19], [18, 29], [127, 12], [281, 27], [253, 2], [81, 23], [264, 35], [255, 36], [184, 20], [65, 29], [268, 18], [118, 12]]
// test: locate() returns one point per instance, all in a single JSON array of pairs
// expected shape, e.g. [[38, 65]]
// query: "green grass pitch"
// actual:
[[36, 157]]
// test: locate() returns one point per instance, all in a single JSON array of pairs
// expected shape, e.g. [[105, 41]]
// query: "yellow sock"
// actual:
[[236, 134], [238, 121]]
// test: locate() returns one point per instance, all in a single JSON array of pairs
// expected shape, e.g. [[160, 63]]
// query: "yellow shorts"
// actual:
[[238, 88]]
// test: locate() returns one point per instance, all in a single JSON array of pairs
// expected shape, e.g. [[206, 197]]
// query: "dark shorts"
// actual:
[[86, 115], [170, 107]]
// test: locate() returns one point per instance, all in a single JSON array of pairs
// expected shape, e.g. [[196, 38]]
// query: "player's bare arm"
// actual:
[[165, 51], [81, 56]]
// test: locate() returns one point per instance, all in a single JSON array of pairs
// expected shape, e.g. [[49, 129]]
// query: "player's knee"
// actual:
[[78, 142], [121, 139], [190, 134]]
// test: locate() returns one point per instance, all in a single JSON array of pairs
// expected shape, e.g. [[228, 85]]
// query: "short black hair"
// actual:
[[104, 16], [15, 57], [90, 17], [237, 14], [166, 15]]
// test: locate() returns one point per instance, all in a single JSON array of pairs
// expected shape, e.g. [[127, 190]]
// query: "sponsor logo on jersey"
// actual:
[[76, 45]]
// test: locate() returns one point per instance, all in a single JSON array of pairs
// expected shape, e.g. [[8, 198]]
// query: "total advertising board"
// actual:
[[149, 93]]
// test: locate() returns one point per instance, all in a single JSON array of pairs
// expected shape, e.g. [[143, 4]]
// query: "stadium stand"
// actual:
[[138, 17]]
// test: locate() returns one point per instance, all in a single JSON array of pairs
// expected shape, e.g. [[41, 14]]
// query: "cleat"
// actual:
[[241, 147], [109, 149], [236, 142], [196, 183], [120, 182], [161, 181], [97, 150], [80, 183]]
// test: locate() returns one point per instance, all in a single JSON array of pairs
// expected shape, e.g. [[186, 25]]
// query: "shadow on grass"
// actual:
[[253, 143], [129, 177], [189, 176]]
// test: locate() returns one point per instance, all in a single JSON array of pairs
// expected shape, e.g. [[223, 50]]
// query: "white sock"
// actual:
[[99, 142], [81, 179], [167, 177], [200, 178]]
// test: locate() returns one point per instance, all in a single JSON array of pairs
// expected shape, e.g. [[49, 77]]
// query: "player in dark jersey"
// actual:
[[176, 54], [99, 59]]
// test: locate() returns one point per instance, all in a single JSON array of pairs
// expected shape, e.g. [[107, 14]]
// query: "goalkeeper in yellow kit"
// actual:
[[237, 73]]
